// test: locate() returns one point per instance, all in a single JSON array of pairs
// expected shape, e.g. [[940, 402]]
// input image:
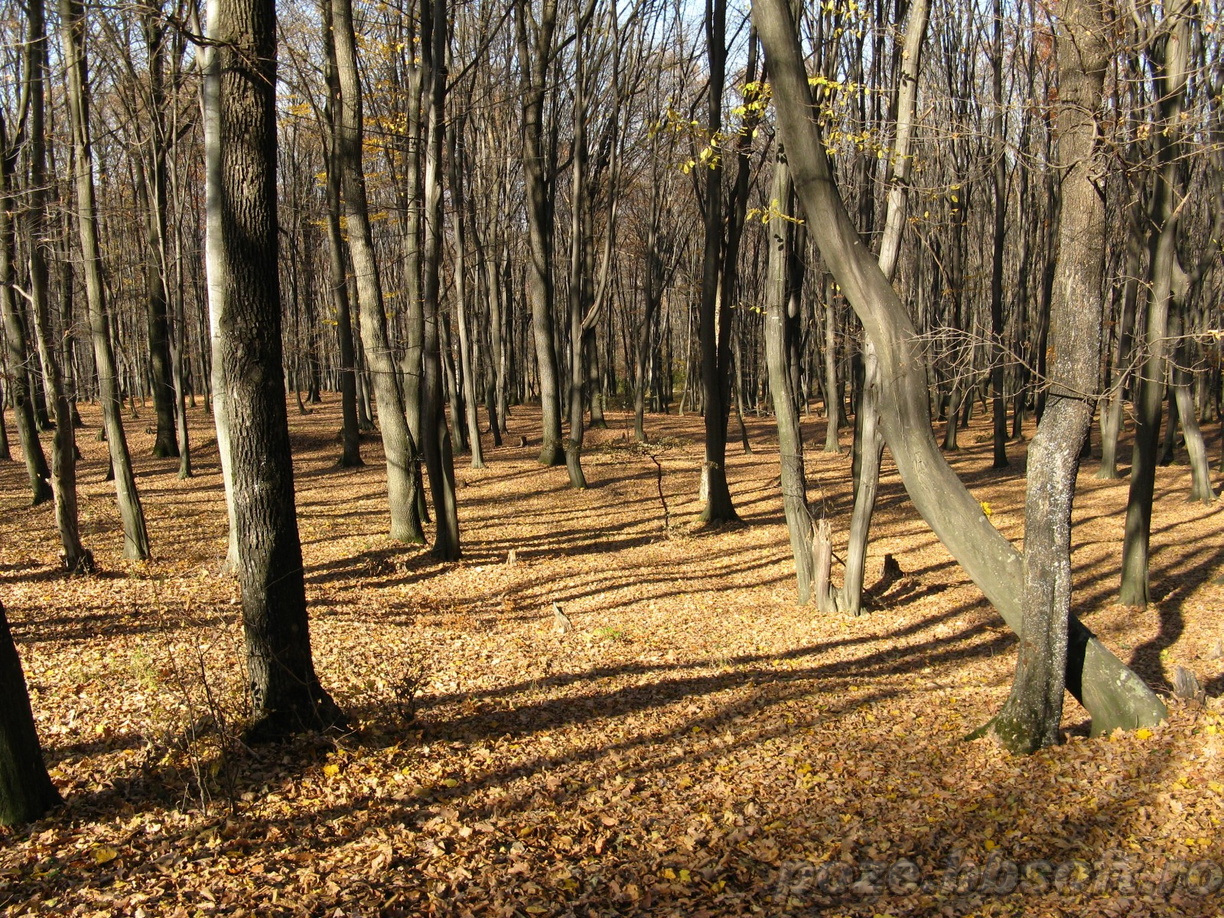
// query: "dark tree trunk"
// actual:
[[26, 791], [285, 691], [436, 441], [403, 483], [17, 354], [1169, 59]]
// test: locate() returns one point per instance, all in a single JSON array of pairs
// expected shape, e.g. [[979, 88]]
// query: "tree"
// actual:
[[536, 48], [17, 382], [1113, 694], [398, 445], [286, 694], [1032, 714], [76, 557], [1169, 44], [72, 30], [26, 791]]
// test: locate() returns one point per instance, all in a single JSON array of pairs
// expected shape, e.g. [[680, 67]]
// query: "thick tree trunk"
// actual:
[[1113, 695], [135, 535], [285, 691], [1032, 714], [26, 791]]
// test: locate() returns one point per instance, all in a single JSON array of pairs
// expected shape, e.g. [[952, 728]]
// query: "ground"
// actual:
[[693, 743]]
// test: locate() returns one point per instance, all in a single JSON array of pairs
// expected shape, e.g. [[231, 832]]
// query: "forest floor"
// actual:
[[696, 744]]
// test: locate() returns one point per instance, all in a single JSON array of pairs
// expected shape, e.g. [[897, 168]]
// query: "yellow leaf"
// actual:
[[1143, 733], [331, 770], [668, 874], [986, 509], [104, 854], [990, 845]]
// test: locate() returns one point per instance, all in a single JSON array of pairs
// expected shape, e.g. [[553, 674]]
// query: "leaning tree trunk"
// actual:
[[1032, 714], [285, 691], [135, 535], [1113, 694], [26, 791]]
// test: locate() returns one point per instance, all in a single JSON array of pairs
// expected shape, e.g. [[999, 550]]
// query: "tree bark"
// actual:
[[1032, 714], [26, 791], [1169, 57], [398, 446], [436, 441], [285, 691], [135, 534]]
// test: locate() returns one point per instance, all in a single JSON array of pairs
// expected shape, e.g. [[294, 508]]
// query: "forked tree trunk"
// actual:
[[1113, 695]]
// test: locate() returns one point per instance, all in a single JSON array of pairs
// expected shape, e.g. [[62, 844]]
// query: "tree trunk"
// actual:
[[76, 558], [869, 440], [1114, 696], [533, 69], [350, 432], [285, 691], [1032, 714], [777, 350], [398, 446], [1169, 58], [135, 535], [26, 791], [436, 441], [16, 350]]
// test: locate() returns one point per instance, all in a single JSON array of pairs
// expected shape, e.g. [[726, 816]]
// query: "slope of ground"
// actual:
[[694, 744]]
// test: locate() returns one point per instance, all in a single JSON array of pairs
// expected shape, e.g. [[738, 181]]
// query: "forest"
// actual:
[[585, 457]]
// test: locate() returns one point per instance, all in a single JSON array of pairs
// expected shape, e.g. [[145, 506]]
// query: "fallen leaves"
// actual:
[[691, 740]]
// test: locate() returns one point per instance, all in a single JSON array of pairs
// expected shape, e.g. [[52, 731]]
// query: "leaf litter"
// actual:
[[694, 743]]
